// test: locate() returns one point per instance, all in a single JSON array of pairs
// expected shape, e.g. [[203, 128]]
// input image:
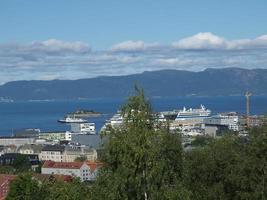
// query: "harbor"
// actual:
[[190, 122], [44, 115]]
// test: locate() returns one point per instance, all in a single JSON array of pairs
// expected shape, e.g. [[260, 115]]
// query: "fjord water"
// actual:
[[44, 114]]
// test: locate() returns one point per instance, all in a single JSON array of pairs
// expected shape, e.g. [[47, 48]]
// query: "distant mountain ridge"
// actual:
[[210, 82]]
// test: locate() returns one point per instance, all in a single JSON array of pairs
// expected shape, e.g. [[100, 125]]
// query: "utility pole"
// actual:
[[248, 94]]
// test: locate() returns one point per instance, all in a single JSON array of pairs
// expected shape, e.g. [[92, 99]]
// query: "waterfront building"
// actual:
[[30, 132], [55, 136], [17, 141], [83, 128], [231, 120]]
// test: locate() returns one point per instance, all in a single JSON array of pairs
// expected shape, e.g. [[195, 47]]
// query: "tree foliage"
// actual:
[[81, 158], [21, 163], [27, 187], [141, 162], [229, 168]]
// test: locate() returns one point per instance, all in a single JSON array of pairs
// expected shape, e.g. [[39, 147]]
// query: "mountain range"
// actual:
[[164, 83]]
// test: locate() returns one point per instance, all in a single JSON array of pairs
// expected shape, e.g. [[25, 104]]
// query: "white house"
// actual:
[[80, 170]]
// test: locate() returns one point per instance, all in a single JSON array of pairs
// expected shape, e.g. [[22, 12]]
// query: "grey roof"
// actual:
[[54, 148], [92, 141], [34, 147]]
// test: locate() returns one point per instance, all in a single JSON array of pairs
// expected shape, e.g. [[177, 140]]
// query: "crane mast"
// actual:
[[247, 95]]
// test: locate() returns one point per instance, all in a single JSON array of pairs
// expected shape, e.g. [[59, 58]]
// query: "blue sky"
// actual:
[[86, 38]]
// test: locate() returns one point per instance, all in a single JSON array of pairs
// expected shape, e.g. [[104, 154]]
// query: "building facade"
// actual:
[[72, 153], [18, 141], [59, 153], [83, 128], [55, 136], [231, 120], [53, 153], [80, 170]]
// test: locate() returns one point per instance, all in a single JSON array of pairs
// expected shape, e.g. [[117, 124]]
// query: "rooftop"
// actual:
[[53, 148], [94, 165], [63, 165], [36, 148], [6, 177], [72, 165]]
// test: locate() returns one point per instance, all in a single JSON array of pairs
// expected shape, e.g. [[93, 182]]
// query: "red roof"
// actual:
[[5, 177], [94, 165], [62, 165], [5, 180]]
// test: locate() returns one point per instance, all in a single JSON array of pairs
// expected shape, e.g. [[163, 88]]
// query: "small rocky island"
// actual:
[[84, 113]]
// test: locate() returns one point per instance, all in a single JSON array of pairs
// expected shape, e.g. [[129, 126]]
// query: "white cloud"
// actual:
[[129, 46], [133, 46], [201, 41], [53, 45], [209, 41], [128, 59], [167, 61]]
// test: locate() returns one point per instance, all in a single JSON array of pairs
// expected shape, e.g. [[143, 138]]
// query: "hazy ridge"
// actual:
[[210, 82]]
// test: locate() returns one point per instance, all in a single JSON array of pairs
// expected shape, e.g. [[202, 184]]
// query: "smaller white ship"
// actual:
[[72, 120]]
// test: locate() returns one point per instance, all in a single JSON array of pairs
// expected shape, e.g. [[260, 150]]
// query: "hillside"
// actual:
[[210, 82]]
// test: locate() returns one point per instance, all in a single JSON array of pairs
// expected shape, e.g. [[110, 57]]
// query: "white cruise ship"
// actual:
[[190, 113]]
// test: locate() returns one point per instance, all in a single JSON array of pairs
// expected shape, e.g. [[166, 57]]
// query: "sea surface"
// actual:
[[44, 114]]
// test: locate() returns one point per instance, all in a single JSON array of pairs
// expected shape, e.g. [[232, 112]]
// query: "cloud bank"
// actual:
[[56, 59]]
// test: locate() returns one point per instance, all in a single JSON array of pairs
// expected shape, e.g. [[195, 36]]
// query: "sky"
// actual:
[[72, 39]]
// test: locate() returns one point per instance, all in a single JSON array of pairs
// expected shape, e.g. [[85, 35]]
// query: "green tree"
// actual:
[[25, 187], [231, 167], [211, 172], [253, 174], [59, 190], [21, 163], [140, 162], [7, 170], [81, 159], [200, 141]]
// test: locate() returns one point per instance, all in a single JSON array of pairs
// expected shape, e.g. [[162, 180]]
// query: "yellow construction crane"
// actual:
[[248, 94]]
